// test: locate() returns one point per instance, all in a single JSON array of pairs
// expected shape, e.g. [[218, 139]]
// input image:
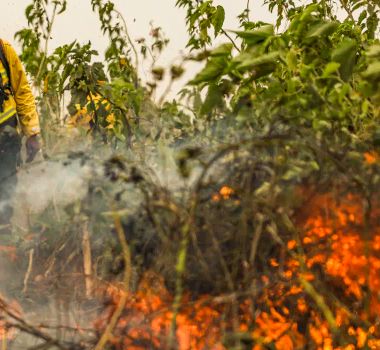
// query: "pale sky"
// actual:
[[79, 22]]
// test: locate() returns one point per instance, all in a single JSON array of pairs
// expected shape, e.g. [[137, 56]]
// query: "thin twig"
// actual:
[[48, 34], [129, 38], [180, 270], [230, 39], [4, 341], [348, 11], [87, 259], [126, 282], [320, 302], [166, 92], [255, 241], [22, 325], [28, 271]]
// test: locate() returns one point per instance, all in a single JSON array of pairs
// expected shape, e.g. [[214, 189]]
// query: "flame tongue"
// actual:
[[336, 256], [321, 291], [7, 332], [147, 319]]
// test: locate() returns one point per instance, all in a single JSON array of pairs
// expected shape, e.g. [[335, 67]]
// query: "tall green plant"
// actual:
[[204, 21], [301, 75]]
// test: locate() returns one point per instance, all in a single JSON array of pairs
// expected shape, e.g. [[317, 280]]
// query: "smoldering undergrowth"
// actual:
[[228, 208]]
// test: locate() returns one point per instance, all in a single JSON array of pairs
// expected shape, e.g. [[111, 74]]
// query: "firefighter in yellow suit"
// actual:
[[18, 116]]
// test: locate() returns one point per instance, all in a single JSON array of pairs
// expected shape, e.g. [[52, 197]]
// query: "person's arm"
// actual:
[[25, 103]]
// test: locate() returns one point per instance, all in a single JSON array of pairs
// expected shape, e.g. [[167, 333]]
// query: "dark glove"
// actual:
[[33, 146]]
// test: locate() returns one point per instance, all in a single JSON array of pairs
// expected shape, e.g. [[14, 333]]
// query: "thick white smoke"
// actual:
[[54, 183]]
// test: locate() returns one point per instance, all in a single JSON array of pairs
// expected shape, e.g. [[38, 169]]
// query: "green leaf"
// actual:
[[213, 99], [345, 54], [321, 29], [262, 65], [291, 59], [308, 11], [263, 189], [252, 37], [197, 102], [218, 19], [374, 51], [293, 173], [362, 17], [28, 11], [373, 71], [63, 8], [321, 124], [330, 69], [358, 5], [222, 50], [314, 165], [214, 68]]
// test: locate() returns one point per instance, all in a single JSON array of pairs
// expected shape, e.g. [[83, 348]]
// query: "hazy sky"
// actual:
[[81, 24]]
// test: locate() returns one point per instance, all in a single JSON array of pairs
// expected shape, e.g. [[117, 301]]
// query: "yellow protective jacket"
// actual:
[[22, 102]]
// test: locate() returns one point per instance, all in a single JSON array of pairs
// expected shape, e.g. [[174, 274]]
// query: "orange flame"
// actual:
[[224, 193], [6, 332], [334, 242]]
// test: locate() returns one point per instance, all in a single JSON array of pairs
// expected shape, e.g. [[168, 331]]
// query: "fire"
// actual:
[[351, 258], [338, 253], [7, 332], [371, 158], [147, 320], [224, 193]]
